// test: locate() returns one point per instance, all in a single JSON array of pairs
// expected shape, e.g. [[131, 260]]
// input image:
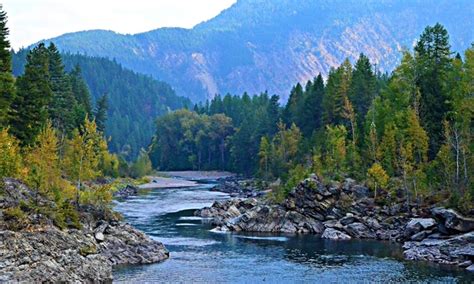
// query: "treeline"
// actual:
[[224, 134], [50, 136], [133, 100], [409, 131]]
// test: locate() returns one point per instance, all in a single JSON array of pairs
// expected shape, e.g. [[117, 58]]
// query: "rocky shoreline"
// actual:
[[43, 252], [342, 211]]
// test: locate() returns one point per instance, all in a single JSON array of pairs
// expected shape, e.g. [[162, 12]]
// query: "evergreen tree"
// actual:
[[100, 113], [312, 112], [7, 88], [433, 61], [29, 110], [62, 104]]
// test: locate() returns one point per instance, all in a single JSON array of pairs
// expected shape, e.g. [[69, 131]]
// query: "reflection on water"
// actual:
[[200, 255]]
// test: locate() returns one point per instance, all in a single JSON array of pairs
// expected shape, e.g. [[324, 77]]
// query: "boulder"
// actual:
[[416, 225], [452, 221], [360, 231], [334, 234]]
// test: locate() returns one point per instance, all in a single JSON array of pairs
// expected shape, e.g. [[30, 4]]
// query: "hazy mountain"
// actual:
[[258, 45]]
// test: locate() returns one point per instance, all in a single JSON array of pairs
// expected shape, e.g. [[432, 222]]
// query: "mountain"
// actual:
[[134, 100], [258, 45]]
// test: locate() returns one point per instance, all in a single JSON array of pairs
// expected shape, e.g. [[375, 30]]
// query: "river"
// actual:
[[199, 255]]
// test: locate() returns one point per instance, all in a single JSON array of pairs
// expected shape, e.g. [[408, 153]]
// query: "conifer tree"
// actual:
[[29, 111], [433, 61], [61, 107], [100, 113], [7, 86]]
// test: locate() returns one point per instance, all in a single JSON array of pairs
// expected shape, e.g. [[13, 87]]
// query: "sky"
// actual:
[[33, 20]]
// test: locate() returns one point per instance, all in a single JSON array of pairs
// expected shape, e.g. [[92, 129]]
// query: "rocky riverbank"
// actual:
[[39, 251], [342, 211]]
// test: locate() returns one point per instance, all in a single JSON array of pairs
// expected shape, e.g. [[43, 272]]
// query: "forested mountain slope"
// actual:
[[134, 100], [259, 45]]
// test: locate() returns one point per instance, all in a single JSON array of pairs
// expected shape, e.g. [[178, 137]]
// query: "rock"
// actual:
[[127, 191], [360, 231], [333, 234], [470, 268], [452, 220], [453, 250], [347, 220], [99, 236], [43, 252], [416, 225], [419, 236]]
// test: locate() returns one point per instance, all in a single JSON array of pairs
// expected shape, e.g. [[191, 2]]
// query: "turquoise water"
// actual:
[[199, 255]]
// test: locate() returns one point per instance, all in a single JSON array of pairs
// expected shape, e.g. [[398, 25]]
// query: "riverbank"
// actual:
[[198, 175], [345, 211], [34, 249]]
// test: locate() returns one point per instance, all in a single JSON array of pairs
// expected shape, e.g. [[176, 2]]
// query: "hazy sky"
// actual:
[[33, 20]]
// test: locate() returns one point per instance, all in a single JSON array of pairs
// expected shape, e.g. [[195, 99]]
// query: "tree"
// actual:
[[265, 156], [312, 113], [336, 150], [7, 86], [43, 163], [82, 155], [100, 113], [10, 157], [62, 103], [378, 177], [362, 87], [29, 110], [432, 54], [142, 166]]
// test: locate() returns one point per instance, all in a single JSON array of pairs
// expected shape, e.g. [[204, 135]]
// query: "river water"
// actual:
[[199, 255]]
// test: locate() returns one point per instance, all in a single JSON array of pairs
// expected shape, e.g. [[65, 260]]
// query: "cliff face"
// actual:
[[42, 252], [259, 45]]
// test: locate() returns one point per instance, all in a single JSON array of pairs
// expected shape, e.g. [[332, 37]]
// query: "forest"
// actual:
[[408, 131], [51, 136], [133, 100]]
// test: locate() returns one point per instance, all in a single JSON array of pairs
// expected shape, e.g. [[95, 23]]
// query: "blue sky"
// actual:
[[33, 20]]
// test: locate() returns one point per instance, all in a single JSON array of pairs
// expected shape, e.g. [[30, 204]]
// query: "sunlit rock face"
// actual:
[[270, 45]]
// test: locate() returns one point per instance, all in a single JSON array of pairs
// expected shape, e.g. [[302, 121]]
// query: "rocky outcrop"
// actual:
[[237, 187], [342, 211], [334, 234], [126, 191], [43, 252]]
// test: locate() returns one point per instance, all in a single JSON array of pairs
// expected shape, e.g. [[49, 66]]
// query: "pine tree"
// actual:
[[312, 112], [29, 111], [61, 107], [433, 61], [81, 94], [7, 86], [100, 113]]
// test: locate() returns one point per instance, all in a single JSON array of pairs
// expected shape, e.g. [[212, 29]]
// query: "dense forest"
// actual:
[[411, 130], [133, 100], [51, 137]]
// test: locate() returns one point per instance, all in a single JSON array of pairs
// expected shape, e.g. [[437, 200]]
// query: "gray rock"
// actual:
[[99, 236], [360, 231], [452, 220], [333, 234]]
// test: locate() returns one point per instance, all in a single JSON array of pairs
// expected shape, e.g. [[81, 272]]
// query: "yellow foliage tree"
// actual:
[[10, 158], [377, 177]]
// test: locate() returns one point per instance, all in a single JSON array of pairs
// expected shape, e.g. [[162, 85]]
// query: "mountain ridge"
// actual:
[[258, 45]]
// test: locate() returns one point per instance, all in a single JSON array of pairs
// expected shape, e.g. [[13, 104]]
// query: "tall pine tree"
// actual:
[[7, 86], [29, 110]]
